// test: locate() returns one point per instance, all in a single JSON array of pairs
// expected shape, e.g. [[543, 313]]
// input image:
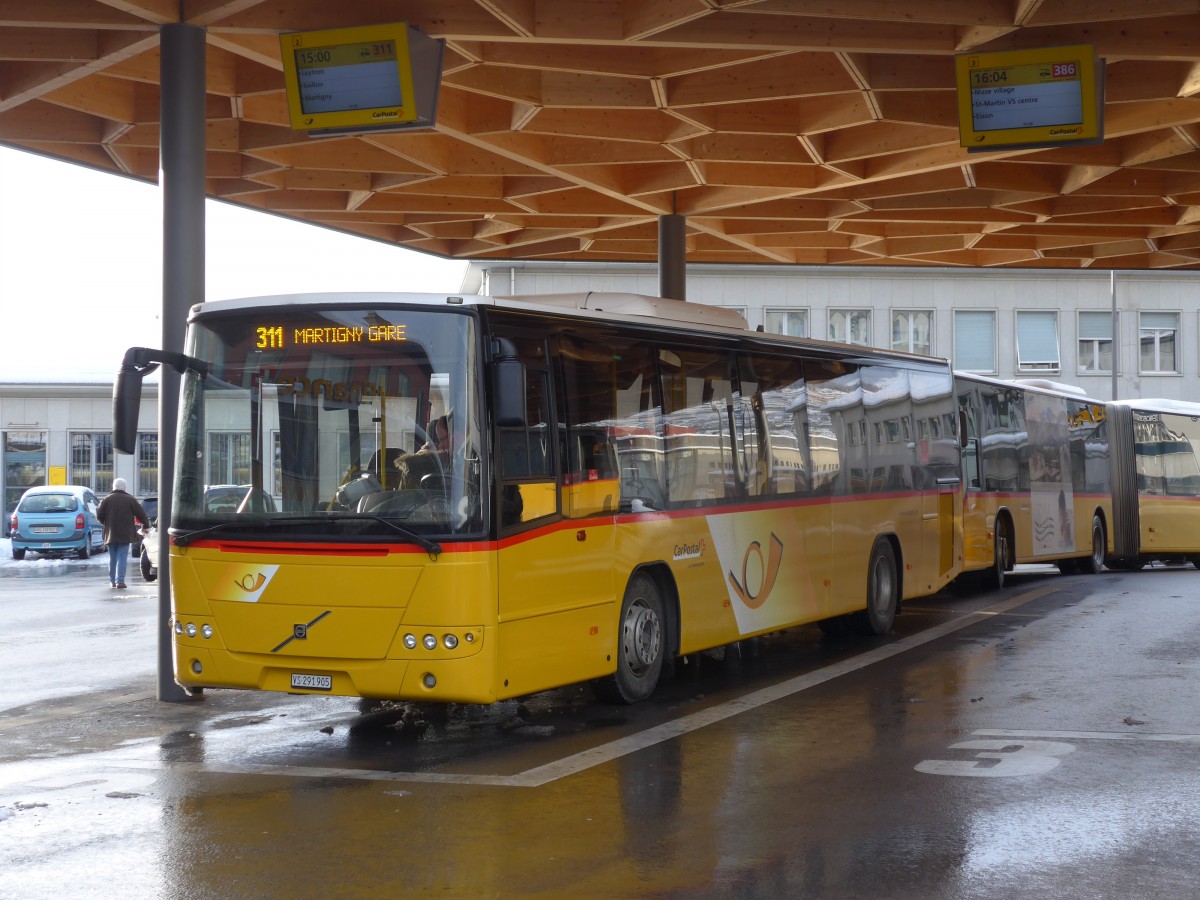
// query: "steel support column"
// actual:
[[672, 257], [181, 179]]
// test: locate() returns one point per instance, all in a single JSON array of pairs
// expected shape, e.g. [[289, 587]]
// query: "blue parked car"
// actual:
[[56, 520]]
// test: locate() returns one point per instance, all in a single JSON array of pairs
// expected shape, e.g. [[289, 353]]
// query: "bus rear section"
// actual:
[[1038, 485], [1156, 481]]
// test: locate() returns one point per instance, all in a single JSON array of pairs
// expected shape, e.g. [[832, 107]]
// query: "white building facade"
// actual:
[[62, 434], [1006, 323]]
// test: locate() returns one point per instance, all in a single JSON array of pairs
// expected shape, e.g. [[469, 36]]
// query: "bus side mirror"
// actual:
[[962, 429], [508, 380], [127, 402], [127, 389]]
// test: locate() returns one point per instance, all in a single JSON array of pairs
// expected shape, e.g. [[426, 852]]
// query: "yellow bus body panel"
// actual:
[[539, 609], [1168, 525]]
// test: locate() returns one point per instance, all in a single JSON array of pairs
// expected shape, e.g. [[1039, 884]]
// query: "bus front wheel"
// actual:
[[883, 592], [641, 644]]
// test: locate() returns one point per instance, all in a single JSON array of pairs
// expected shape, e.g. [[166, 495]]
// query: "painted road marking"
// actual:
[[1015, 753]]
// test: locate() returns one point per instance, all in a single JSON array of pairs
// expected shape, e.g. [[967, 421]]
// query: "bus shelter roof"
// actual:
[[793, 133]]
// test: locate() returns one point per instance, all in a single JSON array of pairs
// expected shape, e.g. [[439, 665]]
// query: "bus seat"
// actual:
[[385, 464]]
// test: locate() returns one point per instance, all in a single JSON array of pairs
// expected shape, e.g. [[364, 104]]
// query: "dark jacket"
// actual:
[[118, 512]]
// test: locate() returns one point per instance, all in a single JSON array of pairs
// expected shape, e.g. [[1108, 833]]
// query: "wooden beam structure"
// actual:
[[781, 132]]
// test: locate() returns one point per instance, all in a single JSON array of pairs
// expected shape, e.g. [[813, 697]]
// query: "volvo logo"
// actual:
[[300, 631]]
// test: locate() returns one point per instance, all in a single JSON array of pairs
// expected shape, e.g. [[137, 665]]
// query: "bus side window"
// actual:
[[699, 421], [774, 446], [611, 410]]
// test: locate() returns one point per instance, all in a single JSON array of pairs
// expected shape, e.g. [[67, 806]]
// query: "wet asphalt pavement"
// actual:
[[1040, 741]]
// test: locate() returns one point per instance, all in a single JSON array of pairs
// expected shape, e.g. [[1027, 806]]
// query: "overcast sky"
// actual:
[[81, 266]]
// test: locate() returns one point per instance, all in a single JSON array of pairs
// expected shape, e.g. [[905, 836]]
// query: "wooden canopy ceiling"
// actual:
[[785, 131]]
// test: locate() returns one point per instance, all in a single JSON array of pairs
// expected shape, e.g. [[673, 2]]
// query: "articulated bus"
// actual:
[[470, 499], [1035, 468], [1156, 482]]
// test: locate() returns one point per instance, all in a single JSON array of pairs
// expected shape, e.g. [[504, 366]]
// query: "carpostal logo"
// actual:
[[758, 576], [689, 551]]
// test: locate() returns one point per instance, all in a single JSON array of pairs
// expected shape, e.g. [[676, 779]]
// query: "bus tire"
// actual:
[[883, 591], [1000, 556], [641, 644], [1094, 564]]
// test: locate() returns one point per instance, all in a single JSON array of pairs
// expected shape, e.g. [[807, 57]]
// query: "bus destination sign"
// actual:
[[279, 337]]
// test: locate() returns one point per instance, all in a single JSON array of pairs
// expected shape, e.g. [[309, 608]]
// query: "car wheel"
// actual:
[[85, 552], [149, 573]]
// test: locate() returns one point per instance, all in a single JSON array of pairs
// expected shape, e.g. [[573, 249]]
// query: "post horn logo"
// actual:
[[755, 599], [251, 583]]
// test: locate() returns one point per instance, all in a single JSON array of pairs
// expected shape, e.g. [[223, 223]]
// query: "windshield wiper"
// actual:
[[429, 546]]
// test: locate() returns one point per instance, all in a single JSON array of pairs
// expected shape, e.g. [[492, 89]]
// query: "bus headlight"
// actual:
[[410, 641], [450, 641], [191, 629], [207, 631], [430, 642]]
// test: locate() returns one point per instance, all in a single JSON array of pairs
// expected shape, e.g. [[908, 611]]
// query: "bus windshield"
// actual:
[[332, 423]]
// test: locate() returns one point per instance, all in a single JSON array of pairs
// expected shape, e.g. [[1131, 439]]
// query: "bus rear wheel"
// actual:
[[641, 644], [1094, 564], [883, 592]]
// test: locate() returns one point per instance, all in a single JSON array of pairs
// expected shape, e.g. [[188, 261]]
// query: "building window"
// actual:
[[1095, 342], [912, 330], [1156, 338], [1037, 341], [975, 341], [24, 466], [228, 457], [850, 326], [147, 465], [786, 321], [91, 463]]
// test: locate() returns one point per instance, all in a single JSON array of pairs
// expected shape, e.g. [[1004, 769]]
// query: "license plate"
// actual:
[[312, 682], [45, 529]]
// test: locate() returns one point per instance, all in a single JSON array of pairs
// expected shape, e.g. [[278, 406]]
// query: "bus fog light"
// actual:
[[450, 641], [430, 642], [428, 680], [191, 629], [207, 631], [410, 641], [196, 667]]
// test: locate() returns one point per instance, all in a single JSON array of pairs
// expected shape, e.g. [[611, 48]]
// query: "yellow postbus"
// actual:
[[469, 499], [1036, 477], [1156, 481]]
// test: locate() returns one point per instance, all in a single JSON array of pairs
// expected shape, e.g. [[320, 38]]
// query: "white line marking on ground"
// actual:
[[1128, 736]]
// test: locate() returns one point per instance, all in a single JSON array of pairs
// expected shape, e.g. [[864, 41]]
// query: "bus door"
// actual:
[[554, 579], [977, 548]]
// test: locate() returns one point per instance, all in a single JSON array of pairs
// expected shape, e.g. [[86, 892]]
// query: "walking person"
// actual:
[[122, 517]]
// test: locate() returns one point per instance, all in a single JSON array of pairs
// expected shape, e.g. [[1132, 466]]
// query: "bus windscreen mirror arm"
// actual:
[[127, 389]]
